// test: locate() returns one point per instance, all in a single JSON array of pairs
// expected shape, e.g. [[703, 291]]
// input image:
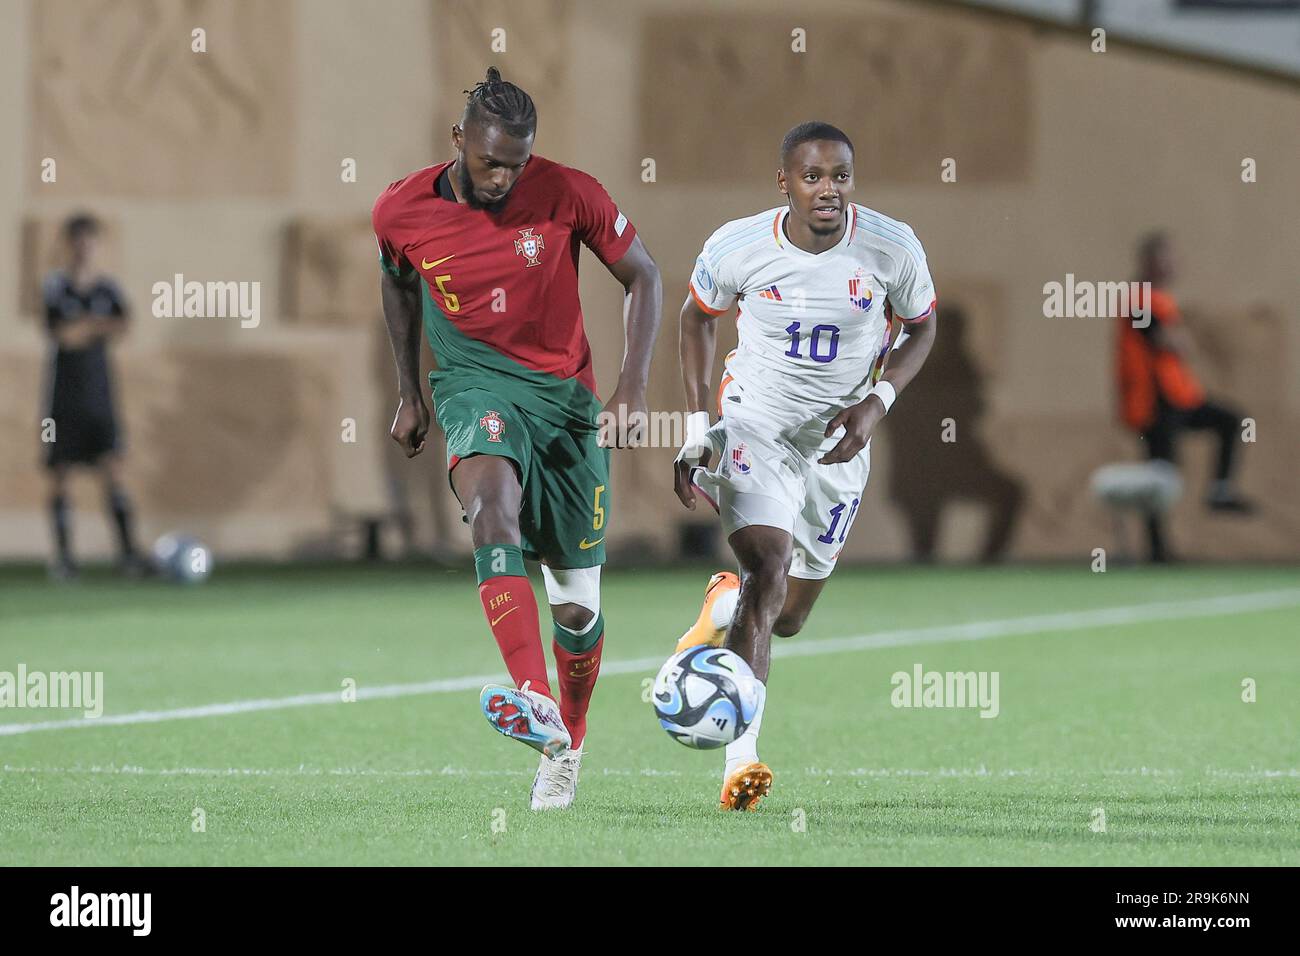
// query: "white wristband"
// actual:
[[886, 392], [697, 425]]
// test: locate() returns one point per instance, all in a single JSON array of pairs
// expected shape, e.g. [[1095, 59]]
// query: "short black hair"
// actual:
[[496, 101], [812, 130], [82, 223]]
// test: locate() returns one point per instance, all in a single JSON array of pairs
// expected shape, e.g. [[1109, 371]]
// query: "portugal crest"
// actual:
[[529, 246], [493, 425]]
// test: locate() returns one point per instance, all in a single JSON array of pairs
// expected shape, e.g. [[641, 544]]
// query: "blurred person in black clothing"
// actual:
[[84, 311]]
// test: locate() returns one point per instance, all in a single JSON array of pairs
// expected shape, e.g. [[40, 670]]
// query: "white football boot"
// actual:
[[556, 782], [526, 716]]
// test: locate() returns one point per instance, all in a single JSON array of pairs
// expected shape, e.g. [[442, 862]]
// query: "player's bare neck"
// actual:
[[807, 240]]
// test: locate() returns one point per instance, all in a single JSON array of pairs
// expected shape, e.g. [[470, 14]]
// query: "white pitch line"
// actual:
[[973, 631], [132, 770]]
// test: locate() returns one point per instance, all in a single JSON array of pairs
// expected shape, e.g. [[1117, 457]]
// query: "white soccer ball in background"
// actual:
[[182, 557], [705, 697]]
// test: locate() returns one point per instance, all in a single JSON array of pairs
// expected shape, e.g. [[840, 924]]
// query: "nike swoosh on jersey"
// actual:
[[586, 545], [426, 264]]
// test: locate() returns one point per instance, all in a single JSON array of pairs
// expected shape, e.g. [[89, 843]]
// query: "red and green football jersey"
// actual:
[[500, 287]]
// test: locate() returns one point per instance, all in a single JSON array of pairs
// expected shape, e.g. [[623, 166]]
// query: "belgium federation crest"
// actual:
[[529, 246], [740, 458], [860, 292], [493, 425]]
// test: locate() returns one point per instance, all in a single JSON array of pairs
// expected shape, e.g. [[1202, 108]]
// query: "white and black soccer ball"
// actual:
[[705, 697], [182, 557]]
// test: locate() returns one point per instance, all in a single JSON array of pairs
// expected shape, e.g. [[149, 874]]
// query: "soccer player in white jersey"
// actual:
[[823, 287]]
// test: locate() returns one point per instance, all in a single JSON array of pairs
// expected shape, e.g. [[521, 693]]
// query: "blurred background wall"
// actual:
[[227, 165]]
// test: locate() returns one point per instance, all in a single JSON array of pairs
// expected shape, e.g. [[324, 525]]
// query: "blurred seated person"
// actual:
[[1160, 395]]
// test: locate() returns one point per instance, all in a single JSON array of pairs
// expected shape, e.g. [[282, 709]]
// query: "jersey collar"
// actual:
[[778, 233], [442, 184]]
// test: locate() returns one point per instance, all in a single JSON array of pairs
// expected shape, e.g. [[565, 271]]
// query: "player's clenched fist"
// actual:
[[410, 425], [695, 453]]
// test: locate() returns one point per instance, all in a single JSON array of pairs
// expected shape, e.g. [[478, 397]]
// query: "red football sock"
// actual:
[[512, 614], [578, 674]]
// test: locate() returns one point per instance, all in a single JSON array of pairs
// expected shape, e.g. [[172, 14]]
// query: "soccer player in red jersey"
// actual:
[[483, 253]]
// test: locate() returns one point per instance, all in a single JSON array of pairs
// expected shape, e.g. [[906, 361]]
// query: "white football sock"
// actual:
[[745, 748], [724, 609]]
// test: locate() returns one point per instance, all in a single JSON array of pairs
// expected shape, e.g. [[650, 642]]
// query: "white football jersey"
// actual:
[[814, 327]]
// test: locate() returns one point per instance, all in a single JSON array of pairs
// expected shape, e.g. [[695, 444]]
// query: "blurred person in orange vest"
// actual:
[[1160, 395]]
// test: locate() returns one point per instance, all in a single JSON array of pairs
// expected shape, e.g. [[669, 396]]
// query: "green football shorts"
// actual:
[[564, 474]]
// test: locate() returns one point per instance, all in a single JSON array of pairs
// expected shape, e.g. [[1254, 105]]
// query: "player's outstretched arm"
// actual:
[[697, 340], [642, 308], [402, 316], [860, 420]]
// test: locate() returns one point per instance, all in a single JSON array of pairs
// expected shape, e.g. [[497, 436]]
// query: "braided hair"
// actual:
[[496, 101]]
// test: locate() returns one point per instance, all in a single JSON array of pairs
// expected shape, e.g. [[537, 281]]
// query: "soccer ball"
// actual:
[[705, 697], [182, 557]]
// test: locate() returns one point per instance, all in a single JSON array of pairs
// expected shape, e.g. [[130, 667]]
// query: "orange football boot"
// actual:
[[745, 786], [703, 631]]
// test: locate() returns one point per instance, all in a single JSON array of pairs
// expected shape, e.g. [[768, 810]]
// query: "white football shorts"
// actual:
[[764, 471]]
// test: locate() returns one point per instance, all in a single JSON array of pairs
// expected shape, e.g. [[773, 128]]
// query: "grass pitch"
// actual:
[[1135, 714]]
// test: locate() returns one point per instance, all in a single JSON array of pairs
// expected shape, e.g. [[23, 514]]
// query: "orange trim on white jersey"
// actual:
[[776, 224], [727, 379], [700, 302]]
